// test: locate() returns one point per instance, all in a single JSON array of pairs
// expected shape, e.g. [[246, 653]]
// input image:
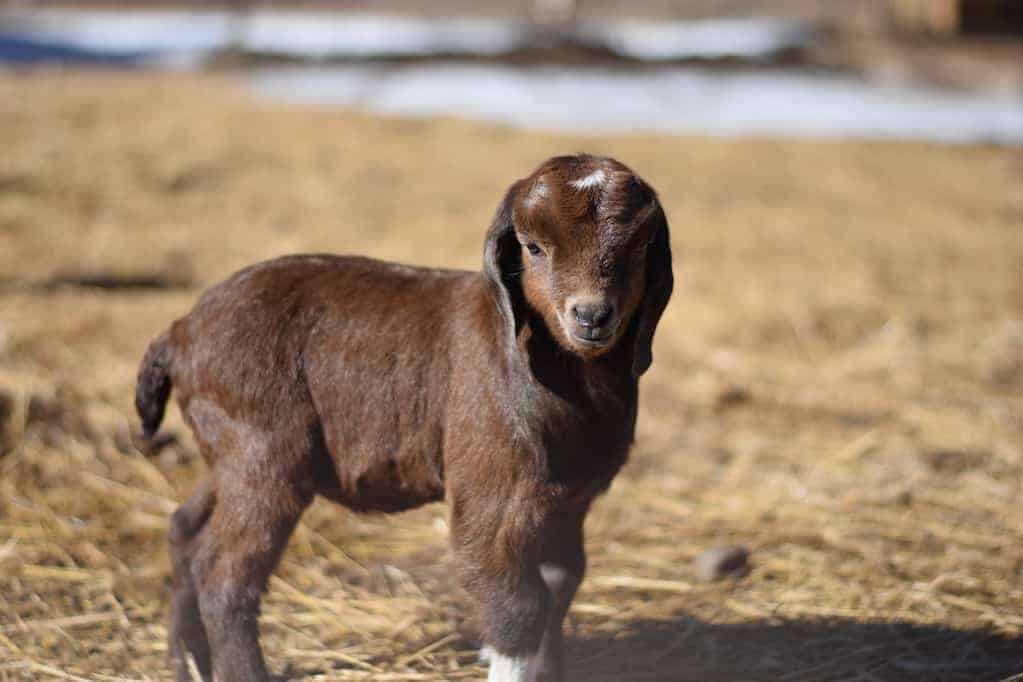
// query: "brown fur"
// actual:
[[383, 387]]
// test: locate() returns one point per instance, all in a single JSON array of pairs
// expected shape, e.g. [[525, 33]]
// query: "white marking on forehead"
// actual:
[[594, 179]]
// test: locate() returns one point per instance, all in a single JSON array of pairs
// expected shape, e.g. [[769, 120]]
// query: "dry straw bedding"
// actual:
[[837, 386]]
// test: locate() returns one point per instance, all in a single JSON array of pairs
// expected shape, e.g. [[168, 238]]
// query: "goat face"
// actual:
[[587, 242]]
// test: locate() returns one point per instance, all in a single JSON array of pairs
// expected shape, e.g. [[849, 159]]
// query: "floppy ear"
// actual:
[[502, 260], [659, 283]]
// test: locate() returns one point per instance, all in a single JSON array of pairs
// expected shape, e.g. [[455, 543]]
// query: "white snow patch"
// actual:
[[186, 37], [746, 37], [681, 100]]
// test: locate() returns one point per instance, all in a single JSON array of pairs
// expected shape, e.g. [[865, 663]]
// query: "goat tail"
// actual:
[[153, 387]]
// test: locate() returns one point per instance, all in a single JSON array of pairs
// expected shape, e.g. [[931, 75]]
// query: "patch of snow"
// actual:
[[667, 100], [186, 37], [749, 38]]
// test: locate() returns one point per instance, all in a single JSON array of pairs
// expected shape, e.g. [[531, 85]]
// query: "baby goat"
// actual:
[[512, 393]]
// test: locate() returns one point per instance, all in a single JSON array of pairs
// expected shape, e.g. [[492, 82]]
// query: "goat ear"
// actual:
[[502, 259], [659, 283]]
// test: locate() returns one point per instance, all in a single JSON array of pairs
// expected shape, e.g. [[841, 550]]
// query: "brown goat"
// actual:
[[512, 393]]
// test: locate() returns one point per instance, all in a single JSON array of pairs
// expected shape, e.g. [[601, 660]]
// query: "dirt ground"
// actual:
[[837, 385]]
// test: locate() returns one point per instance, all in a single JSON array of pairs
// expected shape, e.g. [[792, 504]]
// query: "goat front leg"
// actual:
[[523, 577], [515, 614], [562, 566], [499, 563]]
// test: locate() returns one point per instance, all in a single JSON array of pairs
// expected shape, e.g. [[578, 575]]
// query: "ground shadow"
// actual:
[[686, 648]]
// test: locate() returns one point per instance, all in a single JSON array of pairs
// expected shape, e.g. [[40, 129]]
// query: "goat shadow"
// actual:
[[684, 649]]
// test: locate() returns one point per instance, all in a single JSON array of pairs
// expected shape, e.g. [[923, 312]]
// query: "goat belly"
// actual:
[[387, 484]]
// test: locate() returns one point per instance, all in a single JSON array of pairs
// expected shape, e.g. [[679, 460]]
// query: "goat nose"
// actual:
[[592, 314]]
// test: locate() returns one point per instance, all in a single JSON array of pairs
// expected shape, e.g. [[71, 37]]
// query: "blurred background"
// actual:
[[838, 380], [938, 69]]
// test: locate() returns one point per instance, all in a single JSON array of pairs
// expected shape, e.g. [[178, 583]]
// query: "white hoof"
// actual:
[[505, 668]]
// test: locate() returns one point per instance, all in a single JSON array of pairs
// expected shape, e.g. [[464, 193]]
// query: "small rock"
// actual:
[[733, 396], [721, 562]]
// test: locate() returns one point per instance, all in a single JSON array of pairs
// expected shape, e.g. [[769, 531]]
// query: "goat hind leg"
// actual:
[[187, 635], [242, 544]]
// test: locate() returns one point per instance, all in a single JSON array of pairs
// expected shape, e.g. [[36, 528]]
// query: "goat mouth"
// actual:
[[594, 340]]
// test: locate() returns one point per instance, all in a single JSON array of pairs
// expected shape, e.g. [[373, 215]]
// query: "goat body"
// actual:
[[383, 387]]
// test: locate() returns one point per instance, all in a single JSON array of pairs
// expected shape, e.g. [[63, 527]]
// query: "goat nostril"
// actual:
[[592, 314]]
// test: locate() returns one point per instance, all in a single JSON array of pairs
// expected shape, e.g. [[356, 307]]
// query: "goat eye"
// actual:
[[533, 249]]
